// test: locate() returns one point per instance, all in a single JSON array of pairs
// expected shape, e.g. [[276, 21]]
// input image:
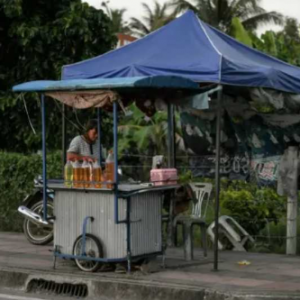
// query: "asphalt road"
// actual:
[[24, 296]]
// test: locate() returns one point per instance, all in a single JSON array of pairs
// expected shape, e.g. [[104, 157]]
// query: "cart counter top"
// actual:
[[123, 188]]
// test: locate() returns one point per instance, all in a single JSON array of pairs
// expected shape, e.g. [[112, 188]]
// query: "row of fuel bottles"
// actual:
[[89, 174]]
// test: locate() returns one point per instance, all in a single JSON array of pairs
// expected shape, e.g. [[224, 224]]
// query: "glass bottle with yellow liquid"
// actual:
[[97, 175], [87, 171], [77, 174], [68, 174], [109, 169]]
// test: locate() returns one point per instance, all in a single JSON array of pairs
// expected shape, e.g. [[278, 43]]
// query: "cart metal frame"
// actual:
[[171, 163], [156, 82]]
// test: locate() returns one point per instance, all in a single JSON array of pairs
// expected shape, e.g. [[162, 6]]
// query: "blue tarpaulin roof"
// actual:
[[154, 82], [192, 49]]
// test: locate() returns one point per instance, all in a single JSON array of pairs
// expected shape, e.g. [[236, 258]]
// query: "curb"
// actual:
[[128, 289]]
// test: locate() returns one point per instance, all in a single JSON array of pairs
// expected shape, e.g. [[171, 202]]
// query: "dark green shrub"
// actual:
[[17, 172], [252, 206]]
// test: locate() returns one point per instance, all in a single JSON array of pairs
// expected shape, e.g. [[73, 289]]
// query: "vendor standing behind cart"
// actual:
[[86, 146]]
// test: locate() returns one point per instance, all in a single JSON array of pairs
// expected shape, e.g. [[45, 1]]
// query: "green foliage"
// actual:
[[264, 108], [272, 238], [252, 206], [238, 31], [118, 25], [220, 13], [269, 40], [148, 135], [142, 136], [37, 39], [17, 172], [153, 19], [284, 45], [185, 178]]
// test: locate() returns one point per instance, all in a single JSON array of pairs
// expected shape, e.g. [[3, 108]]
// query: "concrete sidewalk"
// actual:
[[268, 275]]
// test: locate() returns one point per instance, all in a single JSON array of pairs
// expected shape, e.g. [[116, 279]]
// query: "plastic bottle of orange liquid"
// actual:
[[68, 174], [77, 174], [87, 170], [97, 175], [109, 169]]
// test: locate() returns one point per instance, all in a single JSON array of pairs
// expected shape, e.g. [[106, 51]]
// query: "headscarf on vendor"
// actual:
[[86, 146]]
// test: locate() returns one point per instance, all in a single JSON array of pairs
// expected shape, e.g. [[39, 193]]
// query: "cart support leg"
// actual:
[[115, 113], [44, 156], [170, 228], [128, 235], [54, 257], [99, 134], [129, 262], [64, 139]]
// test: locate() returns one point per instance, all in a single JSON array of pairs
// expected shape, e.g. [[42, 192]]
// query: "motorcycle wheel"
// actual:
[[39, 234]]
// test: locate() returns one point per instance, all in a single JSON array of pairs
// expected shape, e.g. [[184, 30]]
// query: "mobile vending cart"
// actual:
[[95, 226]]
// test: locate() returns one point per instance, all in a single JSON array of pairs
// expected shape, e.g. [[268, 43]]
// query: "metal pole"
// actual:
[[99, 133], [171, 164], [128, 234], [44, 156], [171, 136], [217, 179], [115, 113], [64, 141]]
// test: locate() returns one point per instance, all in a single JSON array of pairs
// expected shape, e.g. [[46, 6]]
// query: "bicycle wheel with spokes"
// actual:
[[93, 249]]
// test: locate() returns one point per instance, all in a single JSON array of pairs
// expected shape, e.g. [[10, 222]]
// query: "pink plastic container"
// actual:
[[163, 176]]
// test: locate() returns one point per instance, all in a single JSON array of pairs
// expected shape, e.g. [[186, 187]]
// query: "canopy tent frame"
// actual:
[[217, 180], [223, 61]]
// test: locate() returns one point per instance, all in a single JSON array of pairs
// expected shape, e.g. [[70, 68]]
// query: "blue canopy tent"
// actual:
[[190, 48]]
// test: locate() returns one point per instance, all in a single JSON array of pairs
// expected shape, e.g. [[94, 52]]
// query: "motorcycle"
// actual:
[[36, 229]]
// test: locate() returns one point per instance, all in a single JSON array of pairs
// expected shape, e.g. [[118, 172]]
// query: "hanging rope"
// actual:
[[22, 95]]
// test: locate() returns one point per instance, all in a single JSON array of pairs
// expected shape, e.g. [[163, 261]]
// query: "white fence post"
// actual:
[[292, 203]]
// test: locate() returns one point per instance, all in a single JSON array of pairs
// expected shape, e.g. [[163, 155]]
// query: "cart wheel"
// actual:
[[93, 248]]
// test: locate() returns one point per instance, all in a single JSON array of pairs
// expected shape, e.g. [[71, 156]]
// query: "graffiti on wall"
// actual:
[[251, 143]]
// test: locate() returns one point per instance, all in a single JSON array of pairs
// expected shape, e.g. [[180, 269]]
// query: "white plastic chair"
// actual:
[[202, 192], [233, 231]]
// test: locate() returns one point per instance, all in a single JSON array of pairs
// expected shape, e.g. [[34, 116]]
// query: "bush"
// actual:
[[17, 172], [252, 206]]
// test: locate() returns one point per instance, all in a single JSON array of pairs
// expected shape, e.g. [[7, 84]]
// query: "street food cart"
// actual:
[[94, 226]]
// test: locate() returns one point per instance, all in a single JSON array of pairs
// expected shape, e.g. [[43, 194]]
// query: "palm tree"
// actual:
[[118, 25], [153, 19], [219, 13]]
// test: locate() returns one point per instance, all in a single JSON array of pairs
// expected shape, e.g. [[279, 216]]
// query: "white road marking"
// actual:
[[5, 296]]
